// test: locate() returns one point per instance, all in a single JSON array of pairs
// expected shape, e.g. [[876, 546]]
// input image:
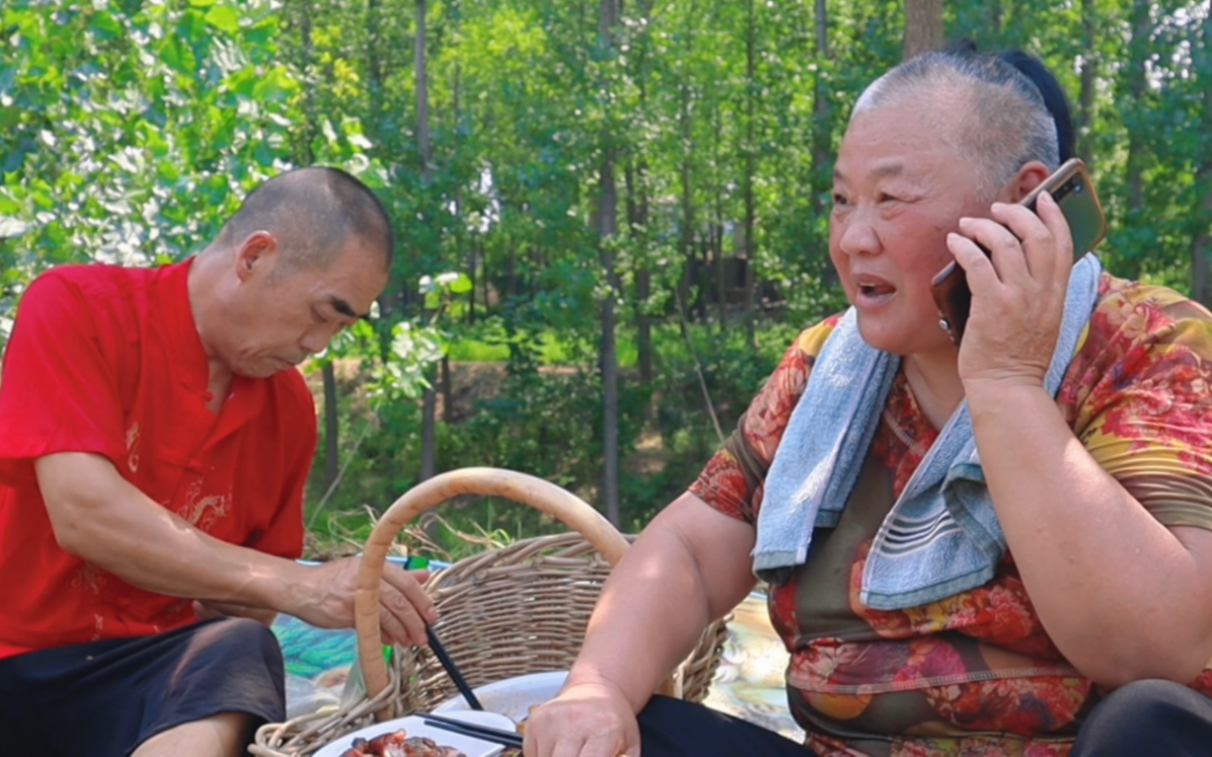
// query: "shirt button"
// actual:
[[207, 396]]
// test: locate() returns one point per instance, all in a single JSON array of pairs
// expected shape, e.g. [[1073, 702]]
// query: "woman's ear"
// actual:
[[1030, 176]]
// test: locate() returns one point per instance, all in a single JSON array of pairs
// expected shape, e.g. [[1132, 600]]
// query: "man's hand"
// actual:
[[585, 720], [326, 600]]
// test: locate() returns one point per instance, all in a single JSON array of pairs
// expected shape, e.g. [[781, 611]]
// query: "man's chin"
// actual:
[[263, 370]]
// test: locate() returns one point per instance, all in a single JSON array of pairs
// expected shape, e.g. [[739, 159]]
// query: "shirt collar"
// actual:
[[172, 316]]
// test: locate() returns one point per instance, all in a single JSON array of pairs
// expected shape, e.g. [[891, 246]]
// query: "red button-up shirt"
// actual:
[[108, 360]]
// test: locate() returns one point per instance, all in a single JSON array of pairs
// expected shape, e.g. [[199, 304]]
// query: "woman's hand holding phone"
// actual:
[[1018, 292], [1071, 187]]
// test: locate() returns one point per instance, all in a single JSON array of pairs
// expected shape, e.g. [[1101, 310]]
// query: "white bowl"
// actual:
[[415, 726], [512, 697]]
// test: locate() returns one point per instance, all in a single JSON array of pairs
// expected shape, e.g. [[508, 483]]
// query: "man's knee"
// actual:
[[242, 636], [235, 662], [1147, 715]]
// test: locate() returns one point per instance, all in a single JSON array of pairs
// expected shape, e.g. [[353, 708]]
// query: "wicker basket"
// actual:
[[504, 613]]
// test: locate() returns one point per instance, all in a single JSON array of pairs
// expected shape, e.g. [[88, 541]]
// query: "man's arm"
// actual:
[[103, 519]]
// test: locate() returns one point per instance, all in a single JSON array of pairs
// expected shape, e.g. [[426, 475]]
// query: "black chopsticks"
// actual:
[[451, 670], [474, 730]]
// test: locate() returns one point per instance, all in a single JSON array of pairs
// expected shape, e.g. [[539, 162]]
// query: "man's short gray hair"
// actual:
[[1002, 121], [313, 212]]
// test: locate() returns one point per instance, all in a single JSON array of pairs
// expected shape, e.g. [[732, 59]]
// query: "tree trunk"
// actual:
[[422, 84], [511, 270], [332, 418], [608, 359], [750, 251], [374, 67], [635, 180], [712, 242], [822, 133], [638, 212], [686, 227], [643, 324], [713, 250], [607, 225], [1201, 247], [446, 383], [923, 27], [332, 422], [309, 96], [482, 255], [395, 294], [1085, 114], [822, 127], [429, 451], [1139, 49]]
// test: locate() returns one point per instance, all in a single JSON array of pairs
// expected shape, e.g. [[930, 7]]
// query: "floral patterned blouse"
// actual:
[[975, 674]]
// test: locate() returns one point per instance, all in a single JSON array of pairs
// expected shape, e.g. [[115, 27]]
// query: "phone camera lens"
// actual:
[[1077, 189]]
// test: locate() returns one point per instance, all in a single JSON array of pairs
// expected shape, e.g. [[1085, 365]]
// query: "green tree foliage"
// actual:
[[129, 128], [129, 131]]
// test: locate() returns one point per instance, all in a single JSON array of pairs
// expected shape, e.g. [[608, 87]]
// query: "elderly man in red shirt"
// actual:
[[156, 440]]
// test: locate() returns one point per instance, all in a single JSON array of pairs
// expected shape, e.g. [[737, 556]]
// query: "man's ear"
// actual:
[[256, 253], [1030, 176]]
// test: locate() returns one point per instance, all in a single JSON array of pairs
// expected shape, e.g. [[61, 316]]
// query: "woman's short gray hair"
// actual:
[[1003, 122]]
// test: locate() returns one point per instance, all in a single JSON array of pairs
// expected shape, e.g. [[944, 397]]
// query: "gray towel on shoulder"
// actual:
[[941, 537]]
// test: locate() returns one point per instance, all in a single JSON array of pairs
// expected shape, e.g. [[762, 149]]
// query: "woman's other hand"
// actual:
[[585, 720], [1018, 292]]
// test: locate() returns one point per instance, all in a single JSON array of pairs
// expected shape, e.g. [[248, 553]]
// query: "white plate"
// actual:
[[415, 726], [513, 696]]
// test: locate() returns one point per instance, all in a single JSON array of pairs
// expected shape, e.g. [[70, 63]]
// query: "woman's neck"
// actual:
[[935, 382]]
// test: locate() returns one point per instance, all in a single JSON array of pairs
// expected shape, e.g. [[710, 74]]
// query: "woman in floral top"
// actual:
[[1097, 622]]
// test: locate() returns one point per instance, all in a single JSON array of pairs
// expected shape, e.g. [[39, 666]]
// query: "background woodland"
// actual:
[[611, 213]]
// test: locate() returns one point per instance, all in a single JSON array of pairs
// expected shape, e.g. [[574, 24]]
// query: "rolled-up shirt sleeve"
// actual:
[[1144, 409]]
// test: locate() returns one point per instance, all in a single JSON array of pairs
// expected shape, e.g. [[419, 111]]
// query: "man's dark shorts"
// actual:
[[105, 698]]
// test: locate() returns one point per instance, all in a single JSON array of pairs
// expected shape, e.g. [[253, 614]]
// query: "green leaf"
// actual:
[[106, 24], [243, 83], [264, 154], [275, 85], [8, 205], [178, 56], [167, 171], [461, 285], [201, 3], [223, 18]]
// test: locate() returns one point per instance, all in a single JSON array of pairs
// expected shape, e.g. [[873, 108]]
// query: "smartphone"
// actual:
[[1073, 191]]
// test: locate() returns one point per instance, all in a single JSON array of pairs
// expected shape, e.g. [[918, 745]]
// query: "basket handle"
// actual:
[[496, 482]]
